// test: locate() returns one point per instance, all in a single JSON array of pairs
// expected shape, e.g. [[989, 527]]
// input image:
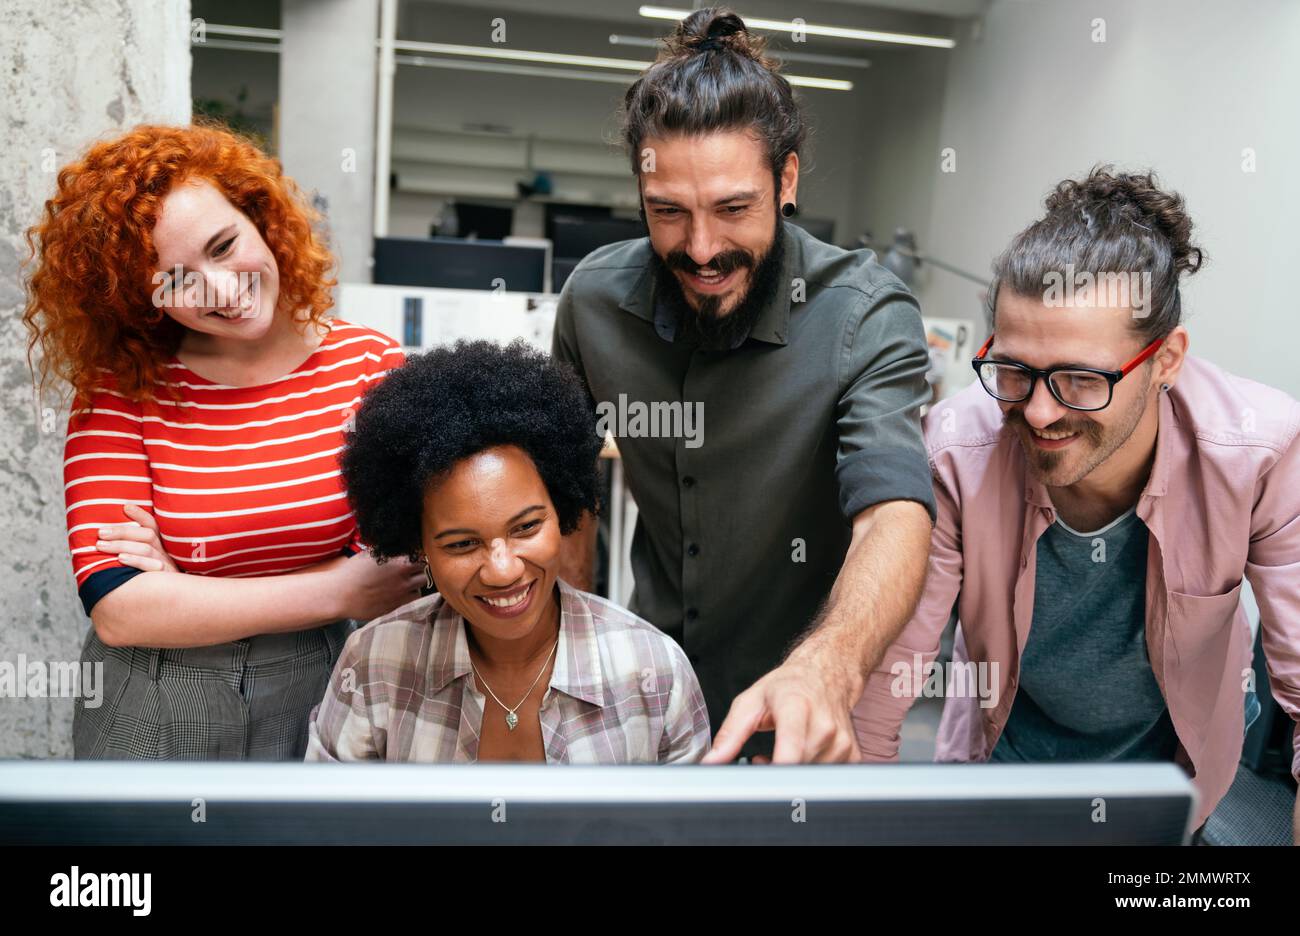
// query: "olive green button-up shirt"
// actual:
[[749, 465]]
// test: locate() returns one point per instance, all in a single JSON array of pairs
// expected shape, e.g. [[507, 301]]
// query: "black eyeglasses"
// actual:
[[1087, 389]]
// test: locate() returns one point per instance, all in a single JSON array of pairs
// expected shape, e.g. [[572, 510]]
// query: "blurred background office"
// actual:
[[464, 157], [503, 123]]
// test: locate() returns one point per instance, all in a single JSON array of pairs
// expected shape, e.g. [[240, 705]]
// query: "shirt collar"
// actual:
[[1157, 482], [773, 322], [1167, 427], [577, 670], [450, 656]]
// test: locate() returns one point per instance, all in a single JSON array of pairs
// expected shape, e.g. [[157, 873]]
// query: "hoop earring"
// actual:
[[788, 209]]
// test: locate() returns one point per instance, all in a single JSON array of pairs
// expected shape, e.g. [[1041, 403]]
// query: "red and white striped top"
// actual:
[[243, 481]]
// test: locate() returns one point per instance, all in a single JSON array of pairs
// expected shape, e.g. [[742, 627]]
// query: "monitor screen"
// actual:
[[577, 237], [452, 263], [494, 222], [126, 802]]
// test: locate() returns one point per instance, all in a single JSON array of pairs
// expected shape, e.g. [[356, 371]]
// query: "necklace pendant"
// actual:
[[511, 720]]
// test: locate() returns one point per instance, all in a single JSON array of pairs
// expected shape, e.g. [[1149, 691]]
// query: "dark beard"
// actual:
[[704, 325]]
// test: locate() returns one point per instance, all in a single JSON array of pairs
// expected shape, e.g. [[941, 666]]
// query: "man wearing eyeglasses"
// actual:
[[1101, 494]]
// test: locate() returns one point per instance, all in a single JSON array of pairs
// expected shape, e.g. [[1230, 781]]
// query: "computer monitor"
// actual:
[[491, 222], [99, 802], [452, 263], [553, 210], [574, 238]]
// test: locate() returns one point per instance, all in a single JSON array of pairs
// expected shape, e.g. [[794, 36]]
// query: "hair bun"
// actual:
[[714, 28], [1137, 198]]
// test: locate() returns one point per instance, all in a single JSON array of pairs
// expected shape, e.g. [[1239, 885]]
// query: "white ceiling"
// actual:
[[953, 8], [822, 11]]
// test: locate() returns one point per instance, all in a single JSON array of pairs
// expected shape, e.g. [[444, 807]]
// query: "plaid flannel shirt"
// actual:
[[621, 691]]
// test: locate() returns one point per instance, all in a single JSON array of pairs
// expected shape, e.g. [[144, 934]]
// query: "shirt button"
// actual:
[[688, 481], [692, 614], [692, 550]]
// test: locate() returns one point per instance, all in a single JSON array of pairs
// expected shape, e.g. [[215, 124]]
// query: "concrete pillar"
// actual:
[[70, 72], [327, 117]]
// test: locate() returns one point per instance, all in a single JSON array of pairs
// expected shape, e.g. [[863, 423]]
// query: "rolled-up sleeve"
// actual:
[[882, 370], [105, 467]]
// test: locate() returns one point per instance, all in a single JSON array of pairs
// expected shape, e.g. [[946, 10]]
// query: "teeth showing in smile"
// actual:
[[709, 275], [244, 309], [1053, 436], [507, 602]]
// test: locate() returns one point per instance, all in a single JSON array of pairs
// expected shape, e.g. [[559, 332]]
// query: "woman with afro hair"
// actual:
[[181, 293], [475, 461]]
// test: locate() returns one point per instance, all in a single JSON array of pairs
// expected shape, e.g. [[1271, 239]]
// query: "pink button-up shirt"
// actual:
[[1222, 501]]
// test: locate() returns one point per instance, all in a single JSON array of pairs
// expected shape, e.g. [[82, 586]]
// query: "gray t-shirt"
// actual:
[[1087, 691]]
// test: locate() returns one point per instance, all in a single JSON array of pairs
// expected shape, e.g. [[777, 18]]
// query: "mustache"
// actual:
[[1087, 427], [724, 263]]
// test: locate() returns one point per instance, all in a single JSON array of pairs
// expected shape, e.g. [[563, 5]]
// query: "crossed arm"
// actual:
[[169, 608]]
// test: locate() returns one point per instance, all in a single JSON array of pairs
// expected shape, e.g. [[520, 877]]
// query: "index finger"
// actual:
[[141, 516], [742, 721]]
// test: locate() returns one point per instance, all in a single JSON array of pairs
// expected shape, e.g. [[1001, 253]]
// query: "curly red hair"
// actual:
[[89, 300]]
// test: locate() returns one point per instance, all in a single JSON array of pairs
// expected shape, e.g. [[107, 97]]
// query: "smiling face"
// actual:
[[492, 540], [712, 212], [228, 279], [1064, 446]]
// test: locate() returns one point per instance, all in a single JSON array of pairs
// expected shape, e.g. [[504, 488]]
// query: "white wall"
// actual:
[[899, 137], [1179, 85]]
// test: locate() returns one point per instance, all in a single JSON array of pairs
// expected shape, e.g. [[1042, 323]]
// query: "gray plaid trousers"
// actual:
[[245, 700]]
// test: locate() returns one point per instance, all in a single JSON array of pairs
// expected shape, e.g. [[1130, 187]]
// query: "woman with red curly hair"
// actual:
[[181, 292]]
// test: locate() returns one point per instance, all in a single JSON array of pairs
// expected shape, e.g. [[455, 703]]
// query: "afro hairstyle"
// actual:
[[451, 403]]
